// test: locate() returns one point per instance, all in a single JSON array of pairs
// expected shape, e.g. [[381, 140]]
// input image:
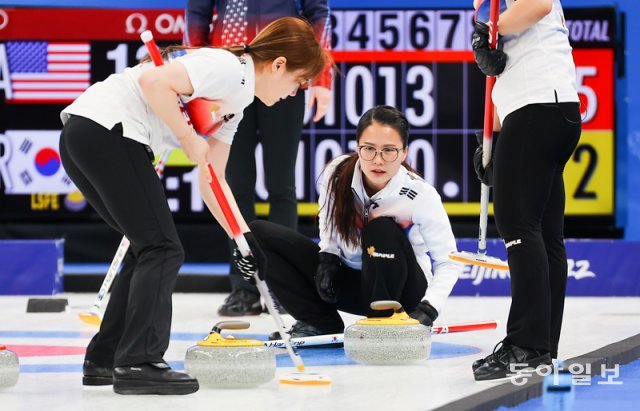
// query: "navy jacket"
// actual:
[[236, 22]]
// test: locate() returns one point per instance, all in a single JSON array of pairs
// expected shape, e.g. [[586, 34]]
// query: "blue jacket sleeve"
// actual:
[[316, 11], [197, 19]]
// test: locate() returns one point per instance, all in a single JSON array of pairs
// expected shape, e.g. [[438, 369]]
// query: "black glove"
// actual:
[[485, 174], [325, 277], [490, 61], [425, 313], [248, 265]]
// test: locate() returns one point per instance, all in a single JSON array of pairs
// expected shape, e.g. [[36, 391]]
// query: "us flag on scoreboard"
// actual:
[[47, 72]]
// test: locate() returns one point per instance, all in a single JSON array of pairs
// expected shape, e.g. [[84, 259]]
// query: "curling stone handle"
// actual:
[[387, 305], [230, 325]]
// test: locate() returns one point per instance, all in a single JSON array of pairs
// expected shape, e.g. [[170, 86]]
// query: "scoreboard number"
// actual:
[[588, 175], [591, 106], [400, 30]]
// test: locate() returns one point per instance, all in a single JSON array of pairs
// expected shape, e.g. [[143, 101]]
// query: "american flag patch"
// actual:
[[47, 72]]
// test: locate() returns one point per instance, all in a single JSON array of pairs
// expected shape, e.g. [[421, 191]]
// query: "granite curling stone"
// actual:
[[9, 368], [398, 339], [227, 362]]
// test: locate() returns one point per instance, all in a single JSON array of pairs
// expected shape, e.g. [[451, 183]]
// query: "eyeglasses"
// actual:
[[388, 154]]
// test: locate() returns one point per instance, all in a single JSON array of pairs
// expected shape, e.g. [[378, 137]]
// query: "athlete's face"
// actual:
[[381, 154], [277, 83]]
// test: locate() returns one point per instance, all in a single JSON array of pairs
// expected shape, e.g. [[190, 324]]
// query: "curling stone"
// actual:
[[9, 368], [227, 362], [398, 339]]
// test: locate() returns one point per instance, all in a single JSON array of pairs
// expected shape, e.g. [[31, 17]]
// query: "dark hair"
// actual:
[[290, 37], [342, 215]]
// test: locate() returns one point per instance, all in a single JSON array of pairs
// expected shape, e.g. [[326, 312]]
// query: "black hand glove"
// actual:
[[249, 265], [425, 313], [491, 62], [325, 277], [485, 174]]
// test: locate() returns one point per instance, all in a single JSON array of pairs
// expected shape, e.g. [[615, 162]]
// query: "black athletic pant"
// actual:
[[116, 176], [535, 143], [292, 259], [278, 128]]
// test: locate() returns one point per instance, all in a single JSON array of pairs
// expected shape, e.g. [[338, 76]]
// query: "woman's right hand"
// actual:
[[328, 267]]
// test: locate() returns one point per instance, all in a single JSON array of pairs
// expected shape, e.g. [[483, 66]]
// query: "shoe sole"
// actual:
[[523, 373], [94, 380], [143, 387]]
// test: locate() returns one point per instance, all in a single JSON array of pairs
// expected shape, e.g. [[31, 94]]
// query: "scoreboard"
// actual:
[[418, 60]]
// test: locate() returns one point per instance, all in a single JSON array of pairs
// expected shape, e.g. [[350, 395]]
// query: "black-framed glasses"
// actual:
[[388, 154]]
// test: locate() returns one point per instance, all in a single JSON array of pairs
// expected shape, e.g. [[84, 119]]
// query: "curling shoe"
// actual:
[[509, 361], [94, 374], [153, 378], [239, 303]]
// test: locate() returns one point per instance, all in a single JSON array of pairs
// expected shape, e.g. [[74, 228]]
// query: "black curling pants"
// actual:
[[535, 143], [292, 259], [116, 176], [278, 128]]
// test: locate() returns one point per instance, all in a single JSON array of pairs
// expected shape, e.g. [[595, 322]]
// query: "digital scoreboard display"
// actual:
[[418, 60]]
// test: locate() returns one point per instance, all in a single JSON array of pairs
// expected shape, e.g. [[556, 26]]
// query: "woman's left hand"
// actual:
[[425, 313]]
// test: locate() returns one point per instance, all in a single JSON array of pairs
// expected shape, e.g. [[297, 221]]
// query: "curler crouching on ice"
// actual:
[[380, 226]]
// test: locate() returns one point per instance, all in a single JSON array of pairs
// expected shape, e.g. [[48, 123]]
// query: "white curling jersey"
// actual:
[[226, 82], [416, 206], [540, 67]]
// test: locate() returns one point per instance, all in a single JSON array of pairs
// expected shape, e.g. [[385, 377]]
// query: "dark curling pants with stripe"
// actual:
[[116, 176]]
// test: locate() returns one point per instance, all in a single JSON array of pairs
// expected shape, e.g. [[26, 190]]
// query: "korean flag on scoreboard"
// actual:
[[30, 163]]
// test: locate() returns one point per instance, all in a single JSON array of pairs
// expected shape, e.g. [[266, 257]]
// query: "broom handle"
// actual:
[[339, 338], [487, 134]]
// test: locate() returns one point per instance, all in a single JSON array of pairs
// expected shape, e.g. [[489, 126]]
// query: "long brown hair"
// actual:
[[342, 214], [289, 37]]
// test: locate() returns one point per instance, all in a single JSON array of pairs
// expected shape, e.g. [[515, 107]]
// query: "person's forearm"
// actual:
[[522, 15], [214, 207]]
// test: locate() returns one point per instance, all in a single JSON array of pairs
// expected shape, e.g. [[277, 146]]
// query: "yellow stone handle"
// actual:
[[230, 325], [387, 305]]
